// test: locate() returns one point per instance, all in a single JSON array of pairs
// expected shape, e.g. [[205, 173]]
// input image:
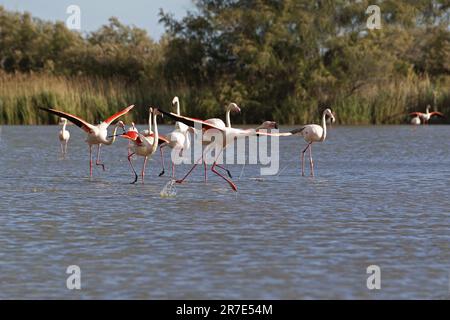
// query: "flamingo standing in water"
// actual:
[[313, 133], [64, 137], [96, 134], [427, 115], [229, 134], [144, 145], [179, 139]]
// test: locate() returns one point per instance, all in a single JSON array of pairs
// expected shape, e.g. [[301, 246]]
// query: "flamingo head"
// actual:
[[175, 101], [156, 112], [233, 107], [330, 114]]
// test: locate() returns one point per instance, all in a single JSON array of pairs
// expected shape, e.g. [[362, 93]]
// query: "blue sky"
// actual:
[[94, 13]]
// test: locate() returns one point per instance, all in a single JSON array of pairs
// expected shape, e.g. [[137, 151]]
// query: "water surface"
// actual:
[[380, 196]]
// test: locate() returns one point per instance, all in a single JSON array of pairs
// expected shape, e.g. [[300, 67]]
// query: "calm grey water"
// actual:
[[380, 196]]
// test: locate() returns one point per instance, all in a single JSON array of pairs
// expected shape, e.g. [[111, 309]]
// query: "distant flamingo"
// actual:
[[64, 137], [144, 145], [427, 115], [179, 139], [96, 134], [229, 134], [313, 133], [416, 121]]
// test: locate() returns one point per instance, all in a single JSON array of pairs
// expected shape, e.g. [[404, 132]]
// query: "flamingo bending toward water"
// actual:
[[313, 133], [96, 134], [179, 139], [144, 145], [64, 137], [229, 134], [416, 121], [427, 115]]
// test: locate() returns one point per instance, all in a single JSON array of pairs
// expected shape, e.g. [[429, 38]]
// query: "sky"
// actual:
[[94, 13]]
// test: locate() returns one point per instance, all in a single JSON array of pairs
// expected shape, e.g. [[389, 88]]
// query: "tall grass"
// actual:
[[94, 99]]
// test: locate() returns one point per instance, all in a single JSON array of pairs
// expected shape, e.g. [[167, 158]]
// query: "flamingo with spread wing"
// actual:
[[427, 115], [96, 134], [229, 134]]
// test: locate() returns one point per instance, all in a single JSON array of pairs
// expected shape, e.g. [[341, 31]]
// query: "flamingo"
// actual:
[[179, 139], [416, 121], [64, 137], [96, 134], [144, 145], [206, 137], [134, 129], [313, 133], [229, 134], [427, 115]]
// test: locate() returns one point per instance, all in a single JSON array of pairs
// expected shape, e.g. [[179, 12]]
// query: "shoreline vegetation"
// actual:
[[284, 61]]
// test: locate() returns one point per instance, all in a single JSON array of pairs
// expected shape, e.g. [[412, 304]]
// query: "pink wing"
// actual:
[[74, 119], [118, 114]]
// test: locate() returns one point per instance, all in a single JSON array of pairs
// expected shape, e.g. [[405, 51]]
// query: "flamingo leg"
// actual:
[[98, 163], [132, 168], [303, 159], [143, 169], [162, 160], [65, 147], [205, 166], [223, 168], [311, 163], [62, 148], [189, 172], [90, 161], [213, 169]]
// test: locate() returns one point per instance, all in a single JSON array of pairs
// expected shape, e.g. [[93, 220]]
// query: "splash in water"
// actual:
[[169, 190]]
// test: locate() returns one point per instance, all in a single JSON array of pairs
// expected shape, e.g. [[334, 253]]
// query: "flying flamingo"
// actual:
[[64, 137], [427, 115], [313, 133], [229, 134], [179, 139], [96, 134], [144, 145]]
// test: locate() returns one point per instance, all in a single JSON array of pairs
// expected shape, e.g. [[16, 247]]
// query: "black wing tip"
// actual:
[[295, 131]]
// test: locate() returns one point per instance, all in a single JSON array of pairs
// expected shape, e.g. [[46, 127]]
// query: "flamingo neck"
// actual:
[[227, 117], [64, 125], [324, 127], [113, 137], [178, 108], [149, 122], [156, 135]]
